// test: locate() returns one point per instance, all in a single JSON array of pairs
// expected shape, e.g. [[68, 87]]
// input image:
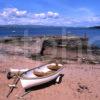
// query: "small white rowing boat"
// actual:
[[40, 75]]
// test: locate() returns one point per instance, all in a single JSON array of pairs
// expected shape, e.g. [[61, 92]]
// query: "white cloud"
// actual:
[[16, 16], [40, 15], [51, 14], [84, 16], [14, 12]]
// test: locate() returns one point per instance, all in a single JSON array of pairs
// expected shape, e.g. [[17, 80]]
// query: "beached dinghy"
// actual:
[[40, 75]]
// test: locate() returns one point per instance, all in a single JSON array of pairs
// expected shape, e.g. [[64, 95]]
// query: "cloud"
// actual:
[[49, 14], [52, 15], [12, 12], [40, 15], [16, 16], [83, 16]]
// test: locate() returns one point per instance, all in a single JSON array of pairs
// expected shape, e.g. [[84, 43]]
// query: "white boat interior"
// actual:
[[43, 71]]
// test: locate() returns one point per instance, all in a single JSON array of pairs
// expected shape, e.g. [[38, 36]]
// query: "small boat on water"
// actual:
[[40, 75]]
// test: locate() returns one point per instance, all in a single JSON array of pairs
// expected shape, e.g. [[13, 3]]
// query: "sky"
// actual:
[[50, 12]]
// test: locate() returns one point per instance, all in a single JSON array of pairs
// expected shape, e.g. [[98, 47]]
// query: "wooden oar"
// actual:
[[23, 95], [16, 80], [34, 68]]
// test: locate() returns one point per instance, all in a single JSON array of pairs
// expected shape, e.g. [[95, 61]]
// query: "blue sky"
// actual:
[[50, 12]]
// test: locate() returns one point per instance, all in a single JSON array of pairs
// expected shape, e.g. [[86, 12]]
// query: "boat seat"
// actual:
[[41, 74], [47, 70], [54, 67]]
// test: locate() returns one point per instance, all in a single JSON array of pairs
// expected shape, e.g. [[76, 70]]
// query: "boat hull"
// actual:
[[27, 83]]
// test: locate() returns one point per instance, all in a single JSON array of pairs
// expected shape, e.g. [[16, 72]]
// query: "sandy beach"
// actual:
[[80, 81]]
